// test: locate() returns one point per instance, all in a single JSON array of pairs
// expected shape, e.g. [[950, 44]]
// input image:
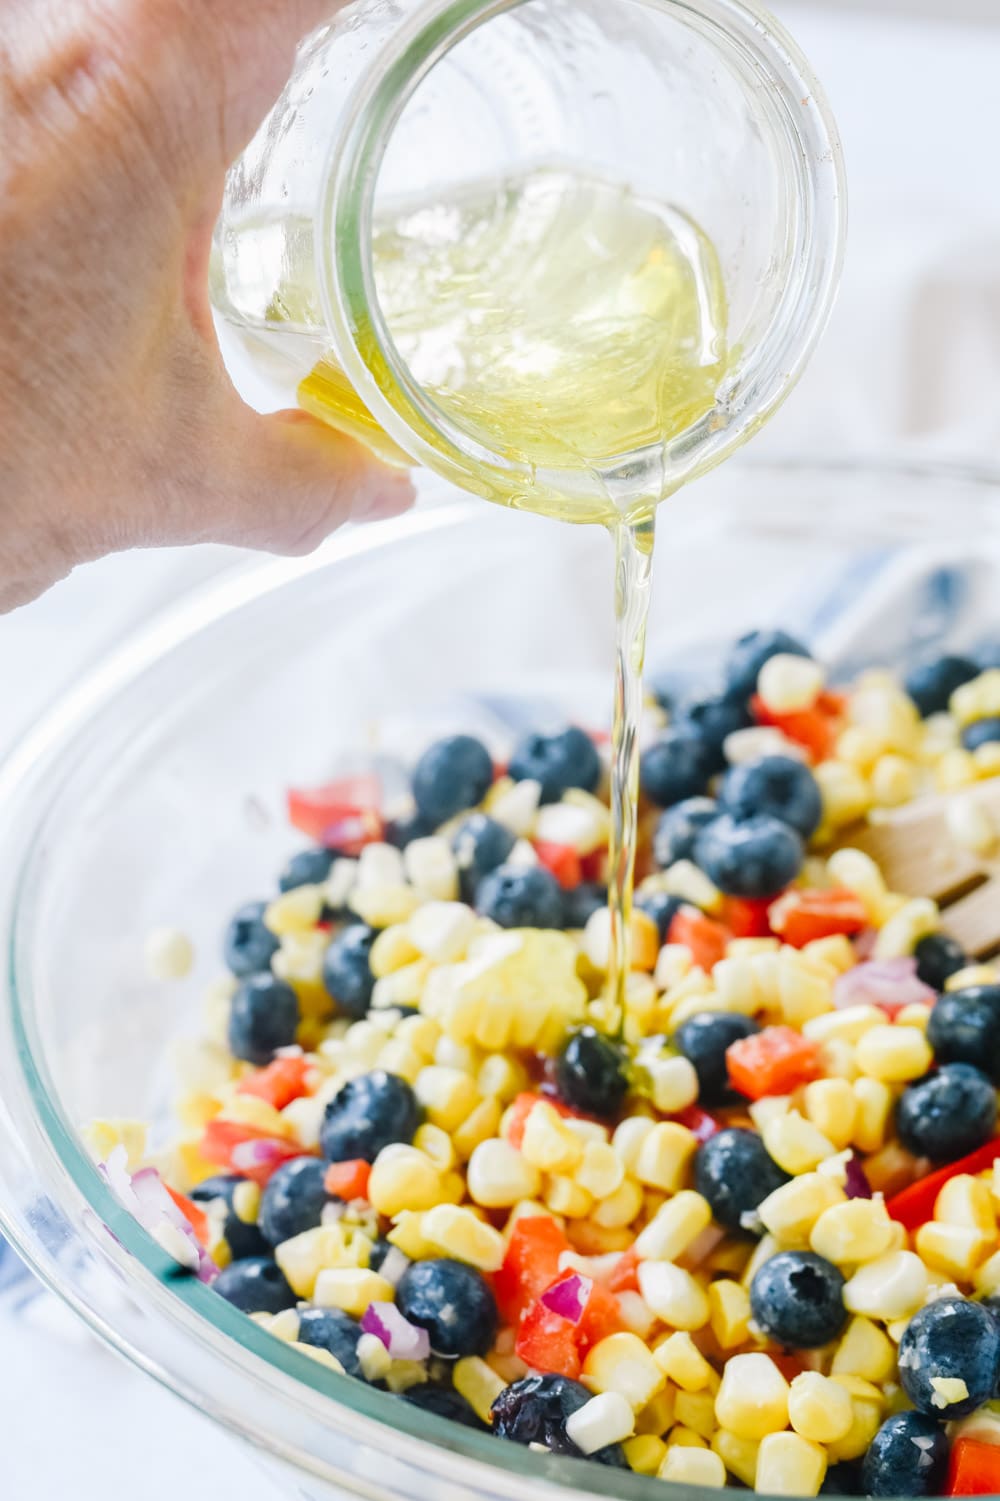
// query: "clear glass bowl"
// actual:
[[153, 794]]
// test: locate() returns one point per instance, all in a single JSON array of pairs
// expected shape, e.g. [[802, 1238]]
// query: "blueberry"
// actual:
[[248, 946], [450, 776], [331, 1330], [797, 1298], [703, 1039], [580, 904], [938, 957], [243, 1239], [715, 718], [307, 868], [263, 1016], [947, 1114], [535, 1410], [453, 1302], [779, 786], [403, 830], [294, 1199], [679, 827], [346, 971], [950, 1338], [734, 1172], [964, 1027], [843, 1479], [444, 1402], [367, 1114], [981, 732], [907, 1457], [591, 1074], [521, 897], [661, 908], [675, 767], [931, 683], [749, 655], [758, 858], [256, 1285], [559, 762], [480, 845]]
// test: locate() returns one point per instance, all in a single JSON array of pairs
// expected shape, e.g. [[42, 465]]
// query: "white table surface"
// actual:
[[912, 361]]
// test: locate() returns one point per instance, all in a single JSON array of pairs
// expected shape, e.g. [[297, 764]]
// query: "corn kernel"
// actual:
[[623, 1363], [899, 937], [764, 1249], [673, 1294], [295, 911], [665, 1156], [478, 1384], [844, 793], [644, 1453], [391, 950], [846, 1025], [435, 1144], [865, 1351], [373, 1357], [973, 974], [788, 684], [915, 1015], [753, 1398], [447, 1095], [480, 1125], [874, 1113], [620, 1208], [857, 1231], [498, 1175], [818, 1408], [977, 699], [965, 1200], [890, 1287], [168, 954], [690, 883], [729, 1313], [658, 1413], [860, 747], [674, 1227], [674, 1084], [514, 804], [739, 1455], [501, 1077], [548, 1143], [460, 1234], [602, 1171], [605, 1419], [836, 952], [789, 1465], [743, 746], [682, 1362], [831, 1105], [893, 781], [688, 1466], [407, 1236], [351, 1289], [867, 1419], [430, 867], [986, 1278], [791, 1211], [566, 1196], [403, 1178], [896, 1055], [695, 1411], [956, 1250], [304, 1256], [795, 1144]]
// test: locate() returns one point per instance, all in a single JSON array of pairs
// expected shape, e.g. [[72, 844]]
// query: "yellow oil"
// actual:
[[563, 323]]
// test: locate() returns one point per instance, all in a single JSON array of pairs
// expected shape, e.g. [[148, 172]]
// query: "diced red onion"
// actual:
[[143, 1194], [260, 1152], [856, 1185], [403, 1340], [889, 984], [569, 1297]]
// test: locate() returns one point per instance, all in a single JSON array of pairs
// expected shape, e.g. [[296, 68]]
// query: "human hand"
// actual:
[[118, 424]]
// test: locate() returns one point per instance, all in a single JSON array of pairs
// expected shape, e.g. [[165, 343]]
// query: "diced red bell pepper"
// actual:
[[705, 938], [222, 1141], [522, 1107], [593, 867], [973, 1468], [342, 815], [800, 917], [816, 729], [561, 860], [699, 1121], [530, 1265], [549, 1343], [914, 1206], [220, 1137], [625, 1278], [602, 1316], [746, 917], [348, 1180], [193, 1213], [774, 1061], [279, 1083]]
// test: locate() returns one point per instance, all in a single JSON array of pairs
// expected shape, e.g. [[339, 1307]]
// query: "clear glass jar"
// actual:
[[703, 105]]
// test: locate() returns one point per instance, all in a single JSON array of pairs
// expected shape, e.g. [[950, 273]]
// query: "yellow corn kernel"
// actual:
[[391, 950], [739, 1455], [788, 684], [602, 1171], [688, 1466], [836, 951], [480, 1125], [696, 1412], [888, 1288], [916, 919], [730, 1256], [658, 1414], [620, 1208], [435, 1144], [501, 1077], [478, 1384], [565, 1195], [498, 1175], [846, 1025], [384, 906], [682, 1362], [803, 992], [728, 1313], [690, 883], [987, 759], [284, 1325], [765, 1248], [420, 1033], [406, 1233], [768, 1109], [956, 769], [665, 1155], [460, 1234], [973, 974], [791, 1211], [914, 1015], [304, 1256], [431, 868], [977, 699], [674, 1084], [795, 1144], [295, 911], [858, 872], [956, 1250], [373, 1357], [404, 1374], [965, 1200], [447, 1095], [893, 781], [844, 792], [674, 1227], [103, 1136], [548, 1143], [896, 1055], [351, 1289], [819, 1409], [875, 1101], [644, 1453], [789, 1465], [753, 1398], [832, 1106], [623, 1363], [865, 1351], [857, 1231], [694, 1005], [736, 982], [674, 1295], [403, 1178], [320, 1356], [673, 964]]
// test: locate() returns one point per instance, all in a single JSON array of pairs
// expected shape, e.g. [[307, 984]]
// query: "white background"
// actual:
[[912, 361]]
